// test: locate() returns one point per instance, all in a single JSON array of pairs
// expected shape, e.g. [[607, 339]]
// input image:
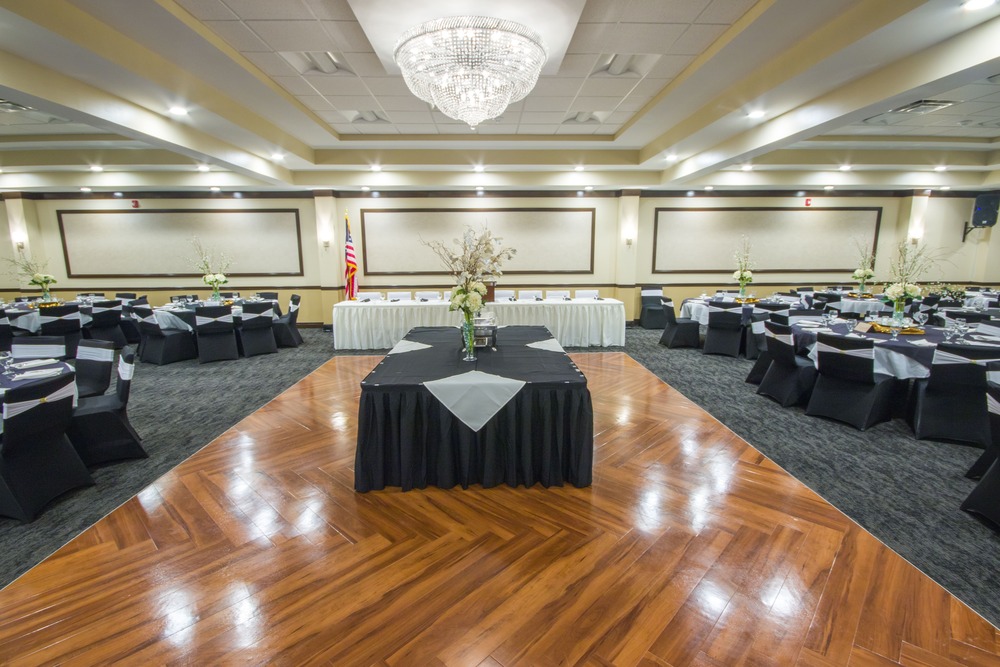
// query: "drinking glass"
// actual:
[[894, 329], [920, 317], [834, 314]]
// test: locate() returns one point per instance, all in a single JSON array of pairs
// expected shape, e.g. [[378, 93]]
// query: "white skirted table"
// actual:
[[378, 325]]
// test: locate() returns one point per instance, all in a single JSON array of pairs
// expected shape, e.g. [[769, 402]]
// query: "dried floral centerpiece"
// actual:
[[213, 268], [744, 266], [35, 274], [476, 258], [865, 273]]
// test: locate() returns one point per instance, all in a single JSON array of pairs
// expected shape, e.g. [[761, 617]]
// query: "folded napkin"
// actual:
[[984, 338], [31, 363], [39, 373], [920, 342]]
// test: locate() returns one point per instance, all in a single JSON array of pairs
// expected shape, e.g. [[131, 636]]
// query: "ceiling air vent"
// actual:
[[924, 106], [7, 106]]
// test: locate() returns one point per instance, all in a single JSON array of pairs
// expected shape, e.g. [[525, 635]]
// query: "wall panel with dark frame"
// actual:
[[547, 240], [157, 242], [784, 240]]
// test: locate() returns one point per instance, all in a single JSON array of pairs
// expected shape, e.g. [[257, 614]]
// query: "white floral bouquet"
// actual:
[[863, 275], [898, 291], [743, 273], [214, 280], [743, 276], [213, 269], [477, 258], [42, 280], [33, 271]]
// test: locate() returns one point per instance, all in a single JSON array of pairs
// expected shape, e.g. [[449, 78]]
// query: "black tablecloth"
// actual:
[[407, 438]]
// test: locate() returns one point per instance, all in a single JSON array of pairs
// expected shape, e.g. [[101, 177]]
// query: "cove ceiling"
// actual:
[[652, 94]]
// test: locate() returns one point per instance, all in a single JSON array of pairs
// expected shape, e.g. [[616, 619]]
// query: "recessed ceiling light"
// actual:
[[578, 167], [277, 157], [479, 188], [203, 167], [178, 111], [118, 194], [376, 194], [365, 188], [690, 193], [478, 168], [215, 188], [84, 189], [800, 193], [940, 167], [709, 188], [671, 157], [828, 187], [96, 167], [1, 171], [845, 167], [579, 193], [927, 191], [973, 5], [946, 187], [756, 113], [376, 167], [237, 195], [589, 188], [747, 167], [480, 193]]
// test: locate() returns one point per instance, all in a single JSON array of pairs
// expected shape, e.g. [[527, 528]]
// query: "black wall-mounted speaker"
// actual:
[[984, 211]]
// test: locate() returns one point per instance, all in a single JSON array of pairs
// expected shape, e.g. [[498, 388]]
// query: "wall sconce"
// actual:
[[20, 245], [326, 243], [628, 242]]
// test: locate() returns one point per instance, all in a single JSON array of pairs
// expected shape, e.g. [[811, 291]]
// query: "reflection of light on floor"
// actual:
[[711, 598], [624, 414], [649, 518], [339, 420], [786, 603], [698, 506], [247, 618]]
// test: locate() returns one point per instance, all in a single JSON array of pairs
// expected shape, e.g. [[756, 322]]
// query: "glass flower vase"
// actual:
[[469, 338], [861, 288], [46, 295], [216, 295], [898, 311], [743, 290]]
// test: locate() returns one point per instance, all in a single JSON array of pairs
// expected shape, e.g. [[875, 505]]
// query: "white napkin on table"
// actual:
[[40, 373], [921, 342], [31, 363]]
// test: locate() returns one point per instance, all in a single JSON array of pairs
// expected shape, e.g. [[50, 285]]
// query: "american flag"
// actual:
[[350, 265]]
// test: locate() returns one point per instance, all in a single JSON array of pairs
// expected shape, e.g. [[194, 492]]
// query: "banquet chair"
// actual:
[[446, 296], [753, 336], [37, 461], [772, 307], [127, 325], [427, 296], [503, 295], [399, 296], [790, 378], [587, 293], [100, 429], [94, 360], [988, 328], [678, 332], [6, 332], [970, 316], [38, 347], [992, 451], [215, 334], [255, 334], [724, 334], [128, 296], [651, 310], [229, 295], [798, 315], [105, 323], [948, 303], [950, 404], [91, 295], [529, 295], [267, 295], [556, 294], [800, 290], [62, 321], [162, 346], [847, 387], [286, 331], [369, 296], [183, 297]]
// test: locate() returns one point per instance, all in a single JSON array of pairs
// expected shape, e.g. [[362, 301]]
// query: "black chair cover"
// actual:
[[125, 295], [790, 378], [6, 332], [37, 461], [951, 403], [160, 346], [683, 332], [100, 430], [286, 331], [62, 321], [724, 334], [216, 334], [94, 361], [651, 312], [105, 323], [268, 295], [848, 389], [255, 335]]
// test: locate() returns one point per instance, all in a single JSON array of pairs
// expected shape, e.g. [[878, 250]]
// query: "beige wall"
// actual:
[[619, 268]]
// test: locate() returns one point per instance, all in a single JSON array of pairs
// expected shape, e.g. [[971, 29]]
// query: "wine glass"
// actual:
[[894, 329], [5, 361], [961, 328], [920, 317]]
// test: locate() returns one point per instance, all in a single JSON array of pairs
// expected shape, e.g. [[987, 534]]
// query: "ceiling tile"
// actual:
[[486, 128], [602, 11], [238, 36], [632, 103], [990, 99], [344, 128], [696, 39], [296, 85], [376, 128], [415, 128], [608, 86], [365, 63], [578, 65], [411, 117], [293, 35], [557, 86], [387, 85], [649, 87], [337, 85], [208, 10], [458, 128], [668, 66], [402, 103], [271, 63], [725, 11], [249, 10], [595, 104], [619, 117], [590, 38], [315, 102], [538, 117], [348, 36], [535, 129], [577, 128], [643, 37], [359, 102], [331, 10], [967, 93], [663, 11], [532, 103], [331, 116]]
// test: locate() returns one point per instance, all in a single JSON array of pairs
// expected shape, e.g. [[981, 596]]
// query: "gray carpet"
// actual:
[[906, 492]]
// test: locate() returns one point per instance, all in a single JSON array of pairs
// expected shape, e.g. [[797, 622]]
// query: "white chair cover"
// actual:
[[94, 353], [757, 327], [651, 292], [587, 293], [942, 357], [269, 314], [201, 320], [557, 294], [98, 309], [502, 294], [15, 409], [44, 319], [992, 404], [125, 369], [402, 296], [863, 353], [430, 296], [787, 339]]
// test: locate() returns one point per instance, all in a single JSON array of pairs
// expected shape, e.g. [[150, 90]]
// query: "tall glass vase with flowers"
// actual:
[[909, 263], [744, 266], [865, 273], [212, 267], [474, 259], [34, 272]]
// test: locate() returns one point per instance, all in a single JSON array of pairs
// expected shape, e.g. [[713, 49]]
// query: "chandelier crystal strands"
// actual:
[[470, 67]]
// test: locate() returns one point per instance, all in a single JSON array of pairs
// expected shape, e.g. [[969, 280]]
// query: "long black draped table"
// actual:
[[520, 414]]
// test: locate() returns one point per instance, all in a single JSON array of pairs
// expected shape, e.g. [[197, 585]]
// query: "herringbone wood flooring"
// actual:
[[690, 548]]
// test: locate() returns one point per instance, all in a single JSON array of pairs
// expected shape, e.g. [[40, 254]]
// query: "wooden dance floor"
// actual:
[[690, 548]]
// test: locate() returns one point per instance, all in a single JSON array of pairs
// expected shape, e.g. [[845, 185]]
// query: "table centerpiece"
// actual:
[[906, 267], [207, 264], [34, 272], [744, 267], [865, 273], [476, 259]]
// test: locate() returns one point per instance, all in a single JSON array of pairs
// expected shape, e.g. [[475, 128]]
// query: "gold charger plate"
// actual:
[[908, 331]]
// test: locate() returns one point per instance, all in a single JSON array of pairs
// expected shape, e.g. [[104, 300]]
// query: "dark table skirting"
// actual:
[[544, 435]]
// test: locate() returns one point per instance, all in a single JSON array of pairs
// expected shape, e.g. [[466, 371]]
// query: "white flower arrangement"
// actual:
[[745, 276], [212, 268], [33, 271], [42, 280], [214, 280], [477, 258], [863, 275], [899, 291], [744, 265]]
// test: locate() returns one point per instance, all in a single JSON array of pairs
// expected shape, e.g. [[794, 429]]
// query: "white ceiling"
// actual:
[[669, 113]]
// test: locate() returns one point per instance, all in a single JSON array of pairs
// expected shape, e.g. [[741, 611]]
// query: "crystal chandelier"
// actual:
[[470, 67]]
